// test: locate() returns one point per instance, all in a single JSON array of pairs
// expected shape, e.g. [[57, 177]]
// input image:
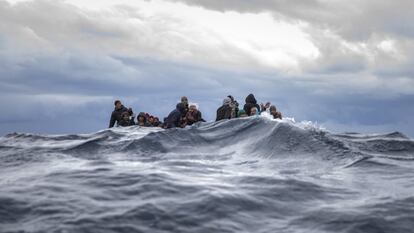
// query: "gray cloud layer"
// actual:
[[61, 71]]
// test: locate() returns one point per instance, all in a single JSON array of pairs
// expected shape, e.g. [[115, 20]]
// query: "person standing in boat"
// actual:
[[116, 115]]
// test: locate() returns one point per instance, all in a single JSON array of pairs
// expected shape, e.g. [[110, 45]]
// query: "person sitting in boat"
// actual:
[[126, 120], [116, 115], [276, 114], [193, 115], [156, 122], [250, 103], [264, 107], [142, 120], [254, 111], [225, 111], [150, 120], [184, 100], [234, 107], [174, 119]]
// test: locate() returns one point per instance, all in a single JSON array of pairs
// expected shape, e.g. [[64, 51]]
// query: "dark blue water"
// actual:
[[244, 175]]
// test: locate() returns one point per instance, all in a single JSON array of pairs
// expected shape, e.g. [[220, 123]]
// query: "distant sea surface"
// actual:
[[243, 175]]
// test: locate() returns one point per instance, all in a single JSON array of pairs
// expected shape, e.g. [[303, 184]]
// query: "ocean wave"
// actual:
[[240, 175]]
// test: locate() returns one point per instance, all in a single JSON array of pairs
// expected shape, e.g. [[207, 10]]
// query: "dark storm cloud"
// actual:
[[62, 75]]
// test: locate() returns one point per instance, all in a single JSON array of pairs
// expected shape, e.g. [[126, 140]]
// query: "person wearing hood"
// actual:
[[250, 103], [116, 115], [193, 115], [174, 118], [126, 120], [142, 120], [225, 111], [150, 120], [157, 122]]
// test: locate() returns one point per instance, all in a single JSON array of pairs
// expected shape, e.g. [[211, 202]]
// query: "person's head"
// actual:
[[251, 99], [242, 113], [118, 104], [193, 108], [125, 116], [273, 110], [141, 117], [184, 99], [151, 119], [227, 101], [253, 111], [181, 107]]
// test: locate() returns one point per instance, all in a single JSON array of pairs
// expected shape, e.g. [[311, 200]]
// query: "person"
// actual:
[[184, 100], [275, 113], [142, 120], [234, 106], [131, 116], [116, 115], [151, 120], [242, 113], [264, 107], [253, 111], [193, 115], [157, 122], [225, 111], [126, 120], [174, 118], [250, 103]]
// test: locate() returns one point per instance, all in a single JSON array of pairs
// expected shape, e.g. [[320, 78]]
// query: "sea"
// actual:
[[243, 175]]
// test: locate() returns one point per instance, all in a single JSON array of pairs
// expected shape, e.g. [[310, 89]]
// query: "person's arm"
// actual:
[[173, 120], [218, 114], [183, 122], [199, 117], [112, 121]]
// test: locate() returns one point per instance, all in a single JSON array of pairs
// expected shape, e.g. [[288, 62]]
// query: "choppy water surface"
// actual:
[[243, 175]]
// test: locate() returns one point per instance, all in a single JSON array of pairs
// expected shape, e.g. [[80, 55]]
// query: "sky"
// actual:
[[344, 65]]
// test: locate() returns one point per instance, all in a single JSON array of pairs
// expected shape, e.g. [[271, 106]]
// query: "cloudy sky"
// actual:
[[347, 65]]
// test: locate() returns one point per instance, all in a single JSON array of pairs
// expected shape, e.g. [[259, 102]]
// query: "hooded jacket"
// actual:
[[224, 112], [174, 118], [116, 116], [250, 103], [146, 124]]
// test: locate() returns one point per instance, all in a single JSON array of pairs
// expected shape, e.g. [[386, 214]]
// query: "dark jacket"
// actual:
[[174, 118], [116, 116], [126, 123], [224, 112], [250, 103]]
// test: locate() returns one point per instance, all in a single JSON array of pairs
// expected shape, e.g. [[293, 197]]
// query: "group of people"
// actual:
[[187, 114]]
